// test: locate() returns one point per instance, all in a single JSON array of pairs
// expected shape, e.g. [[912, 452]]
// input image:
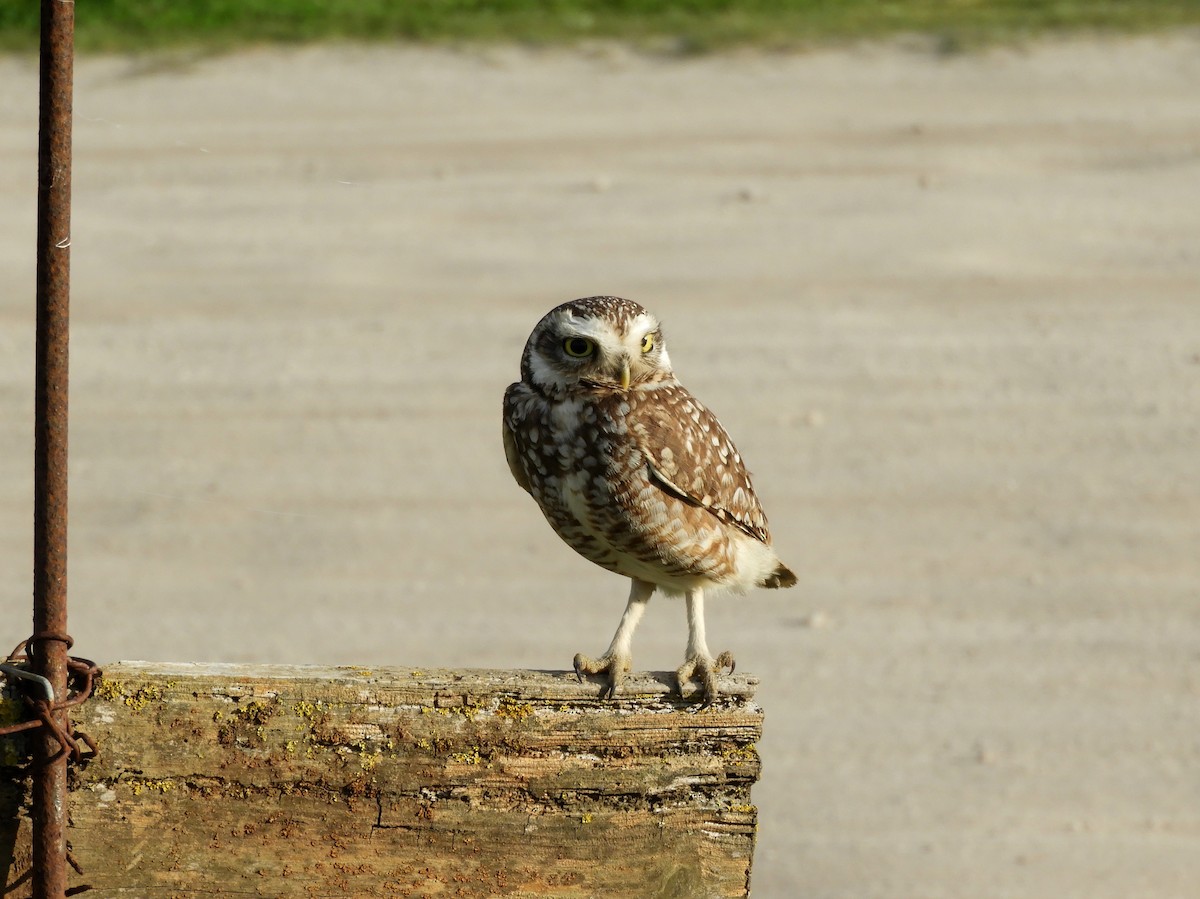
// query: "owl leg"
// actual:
[[619, 657], [699, 662]]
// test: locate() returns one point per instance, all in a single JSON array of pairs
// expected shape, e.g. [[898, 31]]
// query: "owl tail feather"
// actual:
[[780, 577]]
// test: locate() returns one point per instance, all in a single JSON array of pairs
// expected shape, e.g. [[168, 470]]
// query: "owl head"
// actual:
[[595, 342]]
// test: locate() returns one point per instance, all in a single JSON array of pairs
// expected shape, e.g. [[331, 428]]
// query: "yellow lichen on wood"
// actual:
[[510, 708], [14, 747], [136, 698]]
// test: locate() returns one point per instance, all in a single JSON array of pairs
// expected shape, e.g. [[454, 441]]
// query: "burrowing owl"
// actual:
[[634, 473]]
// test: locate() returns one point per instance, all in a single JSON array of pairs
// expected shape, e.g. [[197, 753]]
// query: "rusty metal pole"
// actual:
[[49, 646]]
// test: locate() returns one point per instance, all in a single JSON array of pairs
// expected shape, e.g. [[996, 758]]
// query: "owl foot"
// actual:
[[613, 664], [706, 669]]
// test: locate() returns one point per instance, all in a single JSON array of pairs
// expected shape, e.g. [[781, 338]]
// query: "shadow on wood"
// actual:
[[306, 781]]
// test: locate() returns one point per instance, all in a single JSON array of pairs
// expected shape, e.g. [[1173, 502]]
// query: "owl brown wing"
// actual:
[[512, 452], [692, 458]]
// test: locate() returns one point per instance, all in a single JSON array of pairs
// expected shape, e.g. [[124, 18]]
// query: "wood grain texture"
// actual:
[[304, 781]]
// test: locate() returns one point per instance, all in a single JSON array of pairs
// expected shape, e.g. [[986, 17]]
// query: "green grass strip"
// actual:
[[684, 25]]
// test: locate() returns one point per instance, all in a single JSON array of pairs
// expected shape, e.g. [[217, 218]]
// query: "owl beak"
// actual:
[[624, 374]]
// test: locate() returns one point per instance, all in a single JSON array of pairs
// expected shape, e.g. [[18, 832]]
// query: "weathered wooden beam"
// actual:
[[305, 781]]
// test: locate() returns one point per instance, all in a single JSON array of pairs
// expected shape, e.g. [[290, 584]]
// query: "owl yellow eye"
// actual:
[[647, 343], [578, 347]]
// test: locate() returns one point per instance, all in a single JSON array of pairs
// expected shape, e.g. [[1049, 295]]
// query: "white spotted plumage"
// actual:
[[633, 472]]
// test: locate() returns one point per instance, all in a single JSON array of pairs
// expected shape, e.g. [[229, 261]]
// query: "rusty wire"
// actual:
[[82, 675], [73, 745]]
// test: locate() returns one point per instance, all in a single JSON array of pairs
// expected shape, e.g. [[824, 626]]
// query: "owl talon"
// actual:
[[725, 660], [612, 664], [705, 669]]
